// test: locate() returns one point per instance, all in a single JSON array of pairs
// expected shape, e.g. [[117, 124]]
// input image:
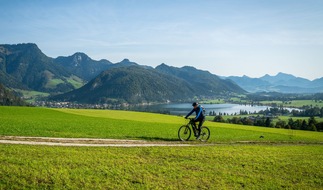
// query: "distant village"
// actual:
[[72, 105]]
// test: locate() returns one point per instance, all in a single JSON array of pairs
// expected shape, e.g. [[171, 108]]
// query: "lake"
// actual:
[[184, 108]]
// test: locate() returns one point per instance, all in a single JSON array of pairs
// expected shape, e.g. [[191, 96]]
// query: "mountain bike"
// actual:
[[184, 132]]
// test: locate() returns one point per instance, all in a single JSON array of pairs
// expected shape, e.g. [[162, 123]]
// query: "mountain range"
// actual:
[[25, 66], [133, 83], [282, 82], [82, 79]]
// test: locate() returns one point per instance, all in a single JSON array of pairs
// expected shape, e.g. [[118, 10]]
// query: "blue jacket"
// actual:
[[198, 111]]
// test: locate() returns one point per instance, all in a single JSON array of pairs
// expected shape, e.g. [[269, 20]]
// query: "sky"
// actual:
[[225, 37]]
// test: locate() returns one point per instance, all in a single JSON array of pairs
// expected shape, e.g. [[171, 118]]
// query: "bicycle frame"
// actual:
[[193, 125]]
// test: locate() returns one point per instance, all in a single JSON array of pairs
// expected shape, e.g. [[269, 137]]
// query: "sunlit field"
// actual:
[[236, 157]]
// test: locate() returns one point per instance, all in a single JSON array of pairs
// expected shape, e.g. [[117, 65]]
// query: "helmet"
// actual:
[[194, 104]]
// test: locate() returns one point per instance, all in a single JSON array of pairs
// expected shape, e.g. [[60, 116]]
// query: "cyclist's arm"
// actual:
[[199, 113], [189, 113]]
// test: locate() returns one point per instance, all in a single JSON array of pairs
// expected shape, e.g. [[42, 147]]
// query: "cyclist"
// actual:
[[200, 116]]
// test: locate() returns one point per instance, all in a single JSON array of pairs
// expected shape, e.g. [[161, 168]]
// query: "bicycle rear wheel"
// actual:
[[205, 134], [184, 133]]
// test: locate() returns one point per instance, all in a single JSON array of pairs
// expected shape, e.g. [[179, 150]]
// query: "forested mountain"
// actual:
[[25, 66], [203, 82], [250, 84], [132, 84], [8, 98], [82, 65], [281, 82], [138, 84]]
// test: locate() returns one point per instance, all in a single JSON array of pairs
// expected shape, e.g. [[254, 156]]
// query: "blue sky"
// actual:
[[232, 37]]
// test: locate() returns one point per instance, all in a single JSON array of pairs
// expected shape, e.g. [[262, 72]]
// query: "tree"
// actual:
[[298, 124], [312, 120], [291, 123], [218, 118], [268, 122], [311, 124], [260, 121], [247, 121], [304, 125], [280, 124], [319, 126]]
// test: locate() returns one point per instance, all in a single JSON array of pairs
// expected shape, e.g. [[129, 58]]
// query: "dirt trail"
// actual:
[[96, 142], [88, 142]]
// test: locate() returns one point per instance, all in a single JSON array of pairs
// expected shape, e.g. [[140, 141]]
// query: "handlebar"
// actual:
[[191, 119]]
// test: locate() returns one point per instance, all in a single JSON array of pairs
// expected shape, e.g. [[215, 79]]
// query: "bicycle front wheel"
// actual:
[[205, 134], [184, 133]]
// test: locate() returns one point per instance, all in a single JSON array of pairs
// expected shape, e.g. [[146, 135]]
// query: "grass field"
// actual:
[[31, 96], [216, 167], [75, 81], [215, 101], [295, 103], [26, 121], [283, 118], [283, 159], [53, 83]]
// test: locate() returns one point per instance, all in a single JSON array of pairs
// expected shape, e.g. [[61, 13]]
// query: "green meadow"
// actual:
[[295, 103], [282, 159]]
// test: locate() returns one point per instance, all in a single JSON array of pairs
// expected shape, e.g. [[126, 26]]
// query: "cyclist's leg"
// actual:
[[195, 127], [201, 121]]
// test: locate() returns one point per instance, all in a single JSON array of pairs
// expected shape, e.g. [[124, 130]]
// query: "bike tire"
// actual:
[[205, 134], [184, 133]]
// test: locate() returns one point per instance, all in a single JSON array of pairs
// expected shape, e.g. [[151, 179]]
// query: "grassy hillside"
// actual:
[[134, 125], [272, 163], [9, 98], [31, 96], [27, 67]]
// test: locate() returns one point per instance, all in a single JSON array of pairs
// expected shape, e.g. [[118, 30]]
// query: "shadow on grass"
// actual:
[[158, 139]]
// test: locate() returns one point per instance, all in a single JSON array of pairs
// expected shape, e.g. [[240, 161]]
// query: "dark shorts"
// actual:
[[201, 120]]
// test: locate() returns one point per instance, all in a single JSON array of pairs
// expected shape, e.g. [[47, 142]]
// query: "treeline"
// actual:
[[269, 111], [300, 124], [7, 98], [276, 96], [305, 112], [308, 112], [255, 121], [275, 111]]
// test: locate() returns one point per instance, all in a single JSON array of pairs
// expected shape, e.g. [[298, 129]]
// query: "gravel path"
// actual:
[[86, 142]]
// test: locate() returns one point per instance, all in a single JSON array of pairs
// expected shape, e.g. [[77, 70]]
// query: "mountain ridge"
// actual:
[[25, 66], [139, 84], [205, 82], [82, 65], [133, 84], [281, 82]]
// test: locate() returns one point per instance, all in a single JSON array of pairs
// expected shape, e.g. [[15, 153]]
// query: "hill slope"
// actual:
[[7, 98], [133, 84], [203, 82], [24, 66], [138, 84], [82, 65]]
